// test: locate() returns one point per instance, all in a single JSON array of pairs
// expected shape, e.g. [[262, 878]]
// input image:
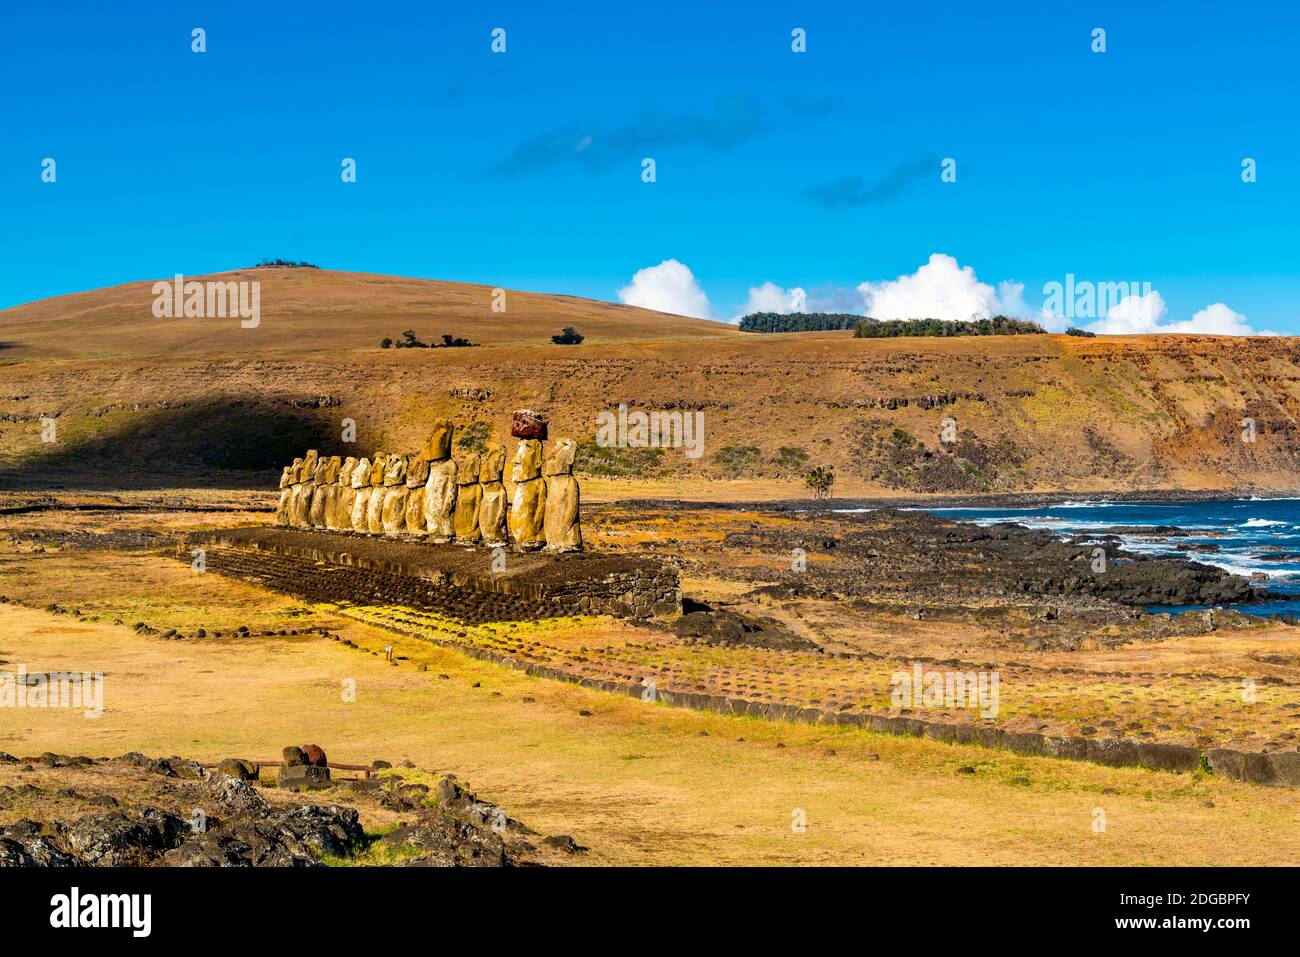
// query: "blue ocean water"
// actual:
[[1253, 535]]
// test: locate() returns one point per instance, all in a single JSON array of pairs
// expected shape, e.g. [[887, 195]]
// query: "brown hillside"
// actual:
[[311, 310], [142, 401]]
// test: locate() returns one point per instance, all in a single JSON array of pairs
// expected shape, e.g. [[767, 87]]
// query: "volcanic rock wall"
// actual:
[[428, 493]]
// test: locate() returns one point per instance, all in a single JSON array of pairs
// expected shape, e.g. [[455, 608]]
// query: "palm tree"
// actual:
[[820, 479]]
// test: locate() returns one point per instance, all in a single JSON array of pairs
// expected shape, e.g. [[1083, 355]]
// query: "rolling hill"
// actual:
[[145, 401], [316, 310]]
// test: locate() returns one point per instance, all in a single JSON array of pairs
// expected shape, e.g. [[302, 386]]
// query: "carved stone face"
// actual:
[[346, 469], [438, 446], [493, 463], [559, 461], [528, 461], [332, 466], [307, 467], [467, 469], [287, 474], [318, 473], [378, 465], [361, 473], [395, 470], [417, 470]]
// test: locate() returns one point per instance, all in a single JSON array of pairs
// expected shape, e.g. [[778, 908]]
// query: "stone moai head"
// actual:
[[287, 475], [417, 470], [346, 469], [492, 463], [559, 461], [438, 446], [528, 461], [467, 469], [378, 465], [332, 466], [318, 473], [307, 467], [395, 470], [361, 473]]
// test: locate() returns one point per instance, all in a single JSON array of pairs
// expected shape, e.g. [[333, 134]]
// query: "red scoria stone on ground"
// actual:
[[315, 756]]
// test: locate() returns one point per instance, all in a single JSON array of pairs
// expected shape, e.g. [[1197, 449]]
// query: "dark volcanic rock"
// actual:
[[116, 839], [716, 626]]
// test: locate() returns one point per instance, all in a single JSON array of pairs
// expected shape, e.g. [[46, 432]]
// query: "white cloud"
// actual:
[[1217, 319], [1145, 314], [668, 287], [770, 297], [940, 289], [1133, 315]]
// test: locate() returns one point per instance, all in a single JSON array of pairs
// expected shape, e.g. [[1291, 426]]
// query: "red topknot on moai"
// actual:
[[525, 424]]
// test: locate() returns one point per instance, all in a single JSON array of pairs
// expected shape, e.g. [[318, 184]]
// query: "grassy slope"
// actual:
[[1033, 412]]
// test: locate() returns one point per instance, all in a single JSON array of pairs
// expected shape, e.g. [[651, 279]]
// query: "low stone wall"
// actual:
[[1279, 770]]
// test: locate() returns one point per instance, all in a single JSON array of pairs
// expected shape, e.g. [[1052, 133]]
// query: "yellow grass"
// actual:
[[636, 782]]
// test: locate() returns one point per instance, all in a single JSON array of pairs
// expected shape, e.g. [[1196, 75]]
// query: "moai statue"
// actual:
[[316, 513], [492, 505], [393, 513], [563, 533], [360, 495], [327, 492], [528, 505], [440, 490], [417, 473], [468, 496], [340, 516], [287, 478], [301, 509], [375, 508]]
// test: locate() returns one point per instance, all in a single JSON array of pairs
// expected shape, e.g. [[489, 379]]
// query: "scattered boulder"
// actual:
[[239, 769]]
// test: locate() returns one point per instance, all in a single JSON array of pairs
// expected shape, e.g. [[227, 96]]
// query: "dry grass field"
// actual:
[[638, 783]]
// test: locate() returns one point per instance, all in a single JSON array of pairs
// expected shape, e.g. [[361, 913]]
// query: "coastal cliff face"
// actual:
[[142, 400]]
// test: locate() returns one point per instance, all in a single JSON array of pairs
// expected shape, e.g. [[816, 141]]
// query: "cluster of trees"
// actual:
[[996, 326], [797, 321], [868, 328], [1072, 331], [410, 340], [819, 480], [569, 336], [301, 264]]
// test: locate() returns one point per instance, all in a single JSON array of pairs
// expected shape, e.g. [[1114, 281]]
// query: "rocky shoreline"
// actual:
[[964, 500]]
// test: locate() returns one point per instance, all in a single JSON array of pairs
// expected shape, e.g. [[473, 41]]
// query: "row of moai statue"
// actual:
[[428, 493]]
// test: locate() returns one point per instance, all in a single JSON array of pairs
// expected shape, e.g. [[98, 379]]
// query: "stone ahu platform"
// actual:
[[452, 579]]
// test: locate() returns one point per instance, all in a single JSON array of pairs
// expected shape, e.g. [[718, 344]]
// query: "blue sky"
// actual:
[[818, 170]]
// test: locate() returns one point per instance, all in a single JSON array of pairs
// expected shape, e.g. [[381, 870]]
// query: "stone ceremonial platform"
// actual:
[[469, 583]]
